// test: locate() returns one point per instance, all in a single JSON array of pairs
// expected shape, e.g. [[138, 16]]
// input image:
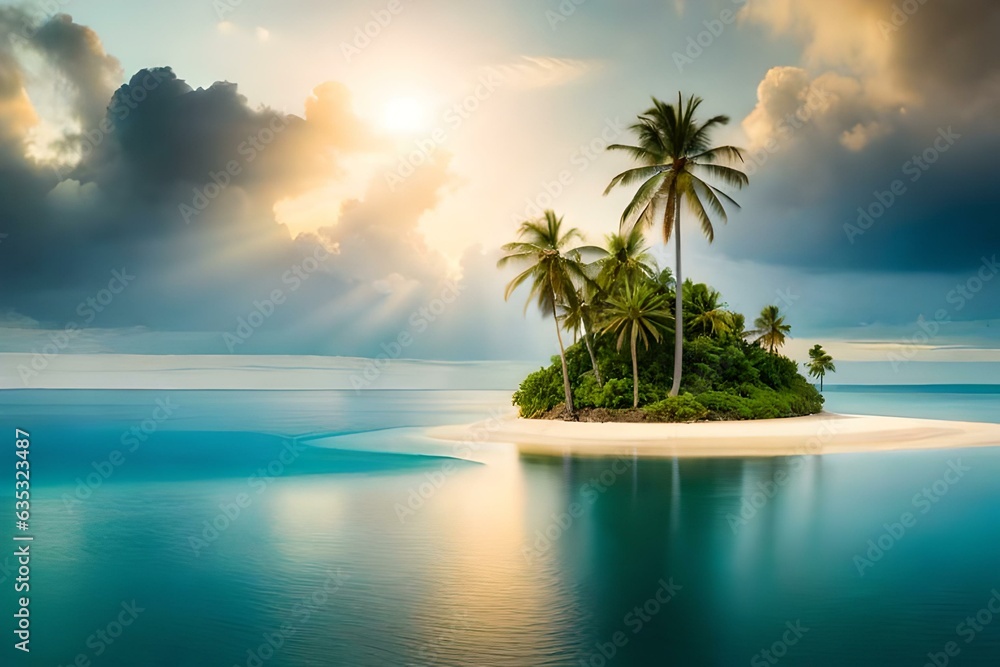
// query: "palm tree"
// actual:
[[637, 312], [578, 316], [737, 325], [709, 318], [628, 260], [820, 363], [663, 281], [771, 329], [553, 268], [675, 153]]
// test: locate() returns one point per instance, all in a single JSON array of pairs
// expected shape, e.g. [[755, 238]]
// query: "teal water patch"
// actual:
[[949, 402]]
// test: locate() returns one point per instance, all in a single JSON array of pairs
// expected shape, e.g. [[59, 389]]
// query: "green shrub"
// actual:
[[776, 371], [587, 393], [721, 405], [540, 392], [683, 408], [765, 408], [616, 393]]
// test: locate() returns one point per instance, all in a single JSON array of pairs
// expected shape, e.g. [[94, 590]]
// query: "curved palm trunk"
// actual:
[[593, 357], [562, 356], [635, 374], [679, 309]]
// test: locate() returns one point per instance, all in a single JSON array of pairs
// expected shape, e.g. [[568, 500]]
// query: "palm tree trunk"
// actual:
[[635, 373], [821, 384], [562, 356], [679, 309], [590, 349]]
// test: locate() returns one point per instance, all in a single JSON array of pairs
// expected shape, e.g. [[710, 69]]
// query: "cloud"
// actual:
[[176, 187], [78, 54], [885, 43], [330, 109], [895, 114], [544, 72], [17, 114], [861, 135]]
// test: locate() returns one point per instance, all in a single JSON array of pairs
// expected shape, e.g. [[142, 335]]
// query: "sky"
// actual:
[[238, 177]]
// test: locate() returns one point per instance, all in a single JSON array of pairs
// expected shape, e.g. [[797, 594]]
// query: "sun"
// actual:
[[405, 115]]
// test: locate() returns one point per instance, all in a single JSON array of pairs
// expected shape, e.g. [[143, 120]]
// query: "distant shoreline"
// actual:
[[824, 433]]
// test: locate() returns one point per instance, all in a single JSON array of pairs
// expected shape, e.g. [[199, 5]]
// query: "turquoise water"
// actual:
[[967, 402], [334, 544]]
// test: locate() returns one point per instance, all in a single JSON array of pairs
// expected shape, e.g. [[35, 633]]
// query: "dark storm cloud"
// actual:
[[950, 51], [77, 52], [166, 222], [896, 172]]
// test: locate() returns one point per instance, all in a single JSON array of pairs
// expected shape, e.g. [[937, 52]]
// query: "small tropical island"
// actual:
[[646, 345], [657, 364]]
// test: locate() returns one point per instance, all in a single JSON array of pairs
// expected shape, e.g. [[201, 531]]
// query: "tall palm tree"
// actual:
[[628, 260], [637, 312], [676, 156], [553, 268], [771, 329], [820, 363], [578, 316]]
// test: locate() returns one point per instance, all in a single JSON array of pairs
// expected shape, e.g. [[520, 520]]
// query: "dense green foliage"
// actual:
[[725, 378], [682, 408]]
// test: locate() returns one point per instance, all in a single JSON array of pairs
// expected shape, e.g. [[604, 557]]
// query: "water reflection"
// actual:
[[754, 543]]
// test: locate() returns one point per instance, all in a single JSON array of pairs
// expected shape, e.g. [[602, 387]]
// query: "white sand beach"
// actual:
[[824, 433]]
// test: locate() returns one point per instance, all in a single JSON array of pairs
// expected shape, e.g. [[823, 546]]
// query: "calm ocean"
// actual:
[[296, 528]]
